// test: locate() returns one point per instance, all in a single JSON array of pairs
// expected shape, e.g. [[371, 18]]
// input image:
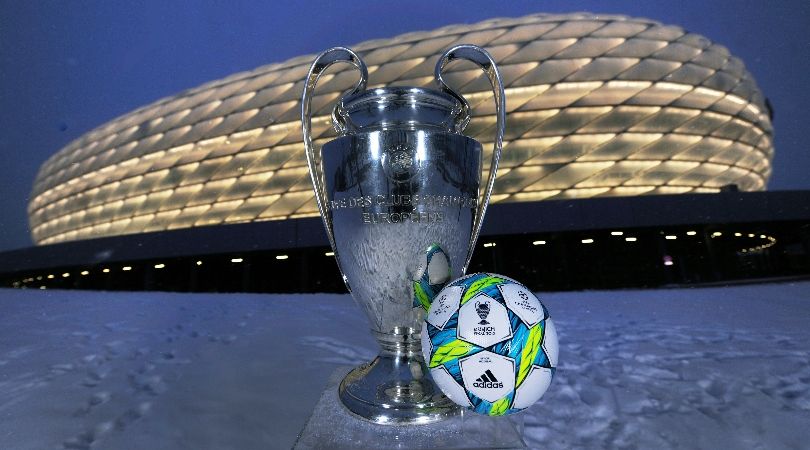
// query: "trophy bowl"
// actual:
[[400, 180]]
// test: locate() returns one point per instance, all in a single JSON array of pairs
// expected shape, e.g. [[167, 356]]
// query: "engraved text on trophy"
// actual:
[[426, 201]]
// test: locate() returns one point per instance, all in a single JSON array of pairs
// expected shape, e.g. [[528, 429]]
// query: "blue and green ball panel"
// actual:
[[423, 291]]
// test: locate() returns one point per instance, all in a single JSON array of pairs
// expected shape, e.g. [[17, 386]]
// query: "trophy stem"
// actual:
[[395, 388]]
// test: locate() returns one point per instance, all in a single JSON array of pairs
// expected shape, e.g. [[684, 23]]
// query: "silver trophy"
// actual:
[[399, 180]]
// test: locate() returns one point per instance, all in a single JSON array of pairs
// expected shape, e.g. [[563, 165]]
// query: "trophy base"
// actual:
[[395, 390], [332, 426]]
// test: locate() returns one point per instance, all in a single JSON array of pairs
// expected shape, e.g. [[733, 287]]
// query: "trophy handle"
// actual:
[[321, 63], [480, 57]]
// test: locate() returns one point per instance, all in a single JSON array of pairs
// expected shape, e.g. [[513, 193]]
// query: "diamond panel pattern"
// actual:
[[597, 105]]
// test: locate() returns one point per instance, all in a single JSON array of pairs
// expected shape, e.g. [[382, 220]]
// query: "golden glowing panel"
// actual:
[[597, 106]]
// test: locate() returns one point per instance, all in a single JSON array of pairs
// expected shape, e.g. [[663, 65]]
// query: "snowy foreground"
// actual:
[[694, 368]]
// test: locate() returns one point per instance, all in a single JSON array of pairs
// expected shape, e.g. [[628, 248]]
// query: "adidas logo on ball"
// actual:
[[487, 380]]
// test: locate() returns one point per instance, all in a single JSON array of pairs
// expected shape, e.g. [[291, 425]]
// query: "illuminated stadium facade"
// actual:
[[597, 106]]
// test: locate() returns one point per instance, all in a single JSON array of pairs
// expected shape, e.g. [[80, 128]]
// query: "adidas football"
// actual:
[[490, 344]]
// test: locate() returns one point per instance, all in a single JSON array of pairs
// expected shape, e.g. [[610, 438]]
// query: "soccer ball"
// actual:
[[431, 275], [490, 344]]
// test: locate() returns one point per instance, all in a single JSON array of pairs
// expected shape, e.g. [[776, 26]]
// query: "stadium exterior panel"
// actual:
[[597, 106]]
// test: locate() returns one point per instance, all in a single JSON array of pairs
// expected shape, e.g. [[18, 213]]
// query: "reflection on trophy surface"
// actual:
[[400, 185]]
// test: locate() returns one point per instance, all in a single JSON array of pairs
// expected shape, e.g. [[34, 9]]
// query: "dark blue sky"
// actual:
[[68, 66]]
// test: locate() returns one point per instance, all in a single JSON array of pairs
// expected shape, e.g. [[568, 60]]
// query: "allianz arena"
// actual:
[[597, 106]]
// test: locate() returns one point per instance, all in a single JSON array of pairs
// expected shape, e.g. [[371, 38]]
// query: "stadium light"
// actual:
[[106, 270], [691, 233], [539, 243], [489, 244], [616, 233], [126, 268], [236, 260], [65, 275], [50, 277], [160, 266], [587, 241], [282, 256], [671, 237], [738, 234], [329, 254], [84, 272], [630, 239], [199, 263]]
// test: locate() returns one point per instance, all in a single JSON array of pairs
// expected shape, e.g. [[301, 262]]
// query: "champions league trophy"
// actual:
[[399, 179]]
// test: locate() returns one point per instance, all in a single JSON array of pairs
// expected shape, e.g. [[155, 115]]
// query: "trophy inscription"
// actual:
[[405, 201], [399, 183]]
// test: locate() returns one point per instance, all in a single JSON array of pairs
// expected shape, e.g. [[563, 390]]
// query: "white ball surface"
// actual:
[[490, 344]]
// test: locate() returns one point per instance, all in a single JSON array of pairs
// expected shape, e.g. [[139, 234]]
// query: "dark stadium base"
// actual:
[[600, 243]]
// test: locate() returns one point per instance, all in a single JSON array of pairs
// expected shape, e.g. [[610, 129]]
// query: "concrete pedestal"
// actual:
[[332, 426]]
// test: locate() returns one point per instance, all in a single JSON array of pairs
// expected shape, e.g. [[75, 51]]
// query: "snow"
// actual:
[[694, 368]]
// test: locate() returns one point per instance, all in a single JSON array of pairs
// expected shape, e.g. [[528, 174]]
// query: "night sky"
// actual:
[[69, 66]]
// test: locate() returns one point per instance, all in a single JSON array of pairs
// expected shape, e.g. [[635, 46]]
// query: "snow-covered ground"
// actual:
[[692, 368]]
